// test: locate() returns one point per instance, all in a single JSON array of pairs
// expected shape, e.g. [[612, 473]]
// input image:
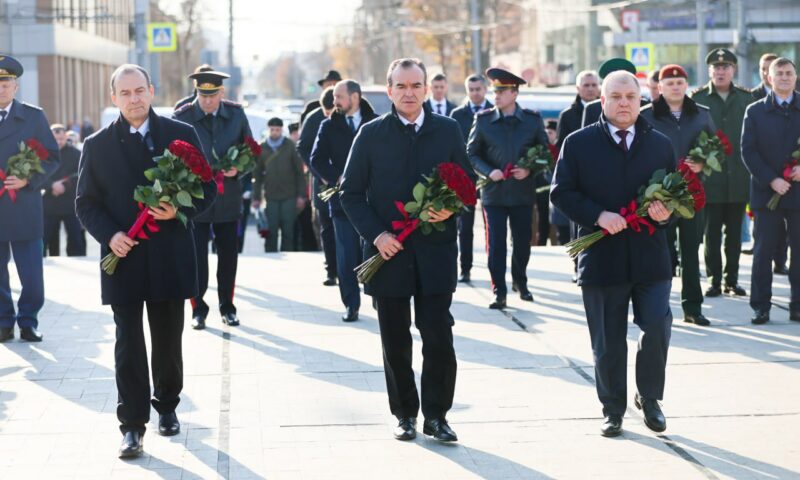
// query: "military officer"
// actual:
[[592, 110], [498, 139], [220, 124], [726, 191], [21, 221]]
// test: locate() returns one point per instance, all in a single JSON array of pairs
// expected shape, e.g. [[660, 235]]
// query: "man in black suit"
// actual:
[[159, 273], [569, 120], [438, 101], [600, 171], [59, 201], [465, 116], [389, 156]]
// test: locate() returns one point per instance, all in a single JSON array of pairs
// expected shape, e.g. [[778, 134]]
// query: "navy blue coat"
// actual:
[[332, 147], [769, 137], [466, 117], [594, 174], [384, 165], [308, 135], [67, 170], [569, 120], [163, 267], [24, 219]]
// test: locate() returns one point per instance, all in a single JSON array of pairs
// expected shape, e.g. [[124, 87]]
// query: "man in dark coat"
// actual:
[[220, 124], [569, 120], [600, 171], [308, 135], [681, 120], [593, 109], [501, 135], [159, 273], [328, 81], [21, 221], [389, 156], [328, 158], [438, 101], [59, 201], [465, 116], [770, 135]]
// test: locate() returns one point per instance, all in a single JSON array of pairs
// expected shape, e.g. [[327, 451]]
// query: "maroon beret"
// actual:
[[672, 71]]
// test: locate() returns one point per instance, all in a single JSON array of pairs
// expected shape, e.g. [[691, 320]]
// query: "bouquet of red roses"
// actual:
[[787, 175], [537, 159], [178, 177], [681, 193], [710, 151], [447, 188], [23, 164], [242, 157]]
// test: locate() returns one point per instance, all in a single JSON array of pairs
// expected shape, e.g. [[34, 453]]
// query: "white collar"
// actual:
[[143, 128], [779, 100], [583, 102], [8, 109], [356, 117], [480, 107], [631, 132], [417, 122]]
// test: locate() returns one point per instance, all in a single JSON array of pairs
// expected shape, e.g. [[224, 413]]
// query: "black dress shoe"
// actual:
[[439, 430], [168, 424], [514, 287], [330, 282], [612, 426], [781, 270], [760, 317], [526, 296], [698, 319], [351, 315], [498, 304], [465, 278], [794, 315], [30, 334], [230, 319], [747, 251], [131, 445], [653, 417], [6, 334], [735, 290], [199, 322], [406, 429], [713, 291]]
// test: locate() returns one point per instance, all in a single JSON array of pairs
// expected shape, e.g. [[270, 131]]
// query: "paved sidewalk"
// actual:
[[296, 394]]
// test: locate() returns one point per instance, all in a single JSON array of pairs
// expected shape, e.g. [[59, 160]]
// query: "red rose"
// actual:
[[38, 148], [192, 158], [726, 143], [553, 151], [457, 180], [254, 147]]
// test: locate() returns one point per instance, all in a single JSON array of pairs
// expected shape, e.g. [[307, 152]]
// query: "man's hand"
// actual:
[[387, 244], [57, 188], [121, 244], [300, 204], [694, 166], [780, 186], [230, 173], [795, 174], [520, 173], [658, 212], [612, 222], [14, 183], [439, 216], [496, 175], [163, 212]]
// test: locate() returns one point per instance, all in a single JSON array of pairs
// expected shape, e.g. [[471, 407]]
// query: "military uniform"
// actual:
[[21, 221], [218, 131], [726, 191], [497, 140]]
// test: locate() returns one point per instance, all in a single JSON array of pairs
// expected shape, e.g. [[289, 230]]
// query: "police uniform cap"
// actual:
[[501, 79], [208, 82], [10, 67], [721, 55], [275, 122], [615, 64], [672, 71]]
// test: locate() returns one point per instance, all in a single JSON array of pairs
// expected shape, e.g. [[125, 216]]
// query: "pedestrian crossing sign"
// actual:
[[161, 37], [641, 55]]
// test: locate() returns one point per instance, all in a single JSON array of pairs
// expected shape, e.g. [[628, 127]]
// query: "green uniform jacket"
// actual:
[[279, 173], [732, 184]]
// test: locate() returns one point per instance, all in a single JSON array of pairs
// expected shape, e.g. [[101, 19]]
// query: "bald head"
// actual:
[[620, 97]]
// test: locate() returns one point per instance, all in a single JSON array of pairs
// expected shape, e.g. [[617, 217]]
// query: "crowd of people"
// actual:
[[368, 167]]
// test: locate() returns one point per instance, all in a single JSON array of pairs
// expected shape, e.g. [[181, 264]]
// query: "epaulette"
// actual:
[[742, 89], [532, 112], [33, 107], [231, 103], [698, 90], [649, 106], [700, 105], [485, 111], [183, 108]]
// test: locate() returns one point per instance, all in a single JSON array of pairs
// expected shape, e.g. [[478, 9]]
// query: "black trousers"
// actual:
[[76, 238], [731, 216], [781, 252], [130, 361], [434, 322], [769, 233], [497, 219], [466, 224], [226, 242], [607, 315], [327, 237], [543, 224]]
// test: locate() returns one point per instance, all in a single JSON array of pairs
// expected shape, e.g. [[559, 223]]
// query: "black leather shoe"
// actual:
[[439, 430], [794, 315], [406, 429], [498, 304], [713, 291], [6, 334], [526, 296], [612, 426], [760, 318], [230, 319], [30, 334], [781, 270], [330, 282], [514, 287], [747, 251], [351, 315], [199, 322], [132, 445], [735, 290], [465, 278], [168, 425], [653, 417], [699, 319]]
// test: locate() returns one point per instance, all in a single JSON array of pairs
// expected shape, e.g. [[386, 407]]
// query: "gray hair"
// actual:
[[126, 69], [583, 74], [780, 62], [406, 63], [619, 76]]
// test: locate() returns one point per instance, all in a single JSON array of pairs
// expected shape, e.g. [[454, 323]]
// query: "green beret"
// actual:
[[614, 64]]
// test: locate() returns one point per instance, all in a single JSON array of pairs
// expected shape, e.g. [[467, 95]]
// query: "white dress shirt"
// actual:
[[628, 139], [417, 122]]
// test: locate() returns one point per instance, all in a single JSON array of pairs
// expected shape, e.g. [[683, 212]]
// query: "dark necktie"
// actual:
[[138, 136], [475, 108], [209, 121], [351, 124], [785, 105], [3, 114], [439, 108], [411, 128], [622, 139]]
